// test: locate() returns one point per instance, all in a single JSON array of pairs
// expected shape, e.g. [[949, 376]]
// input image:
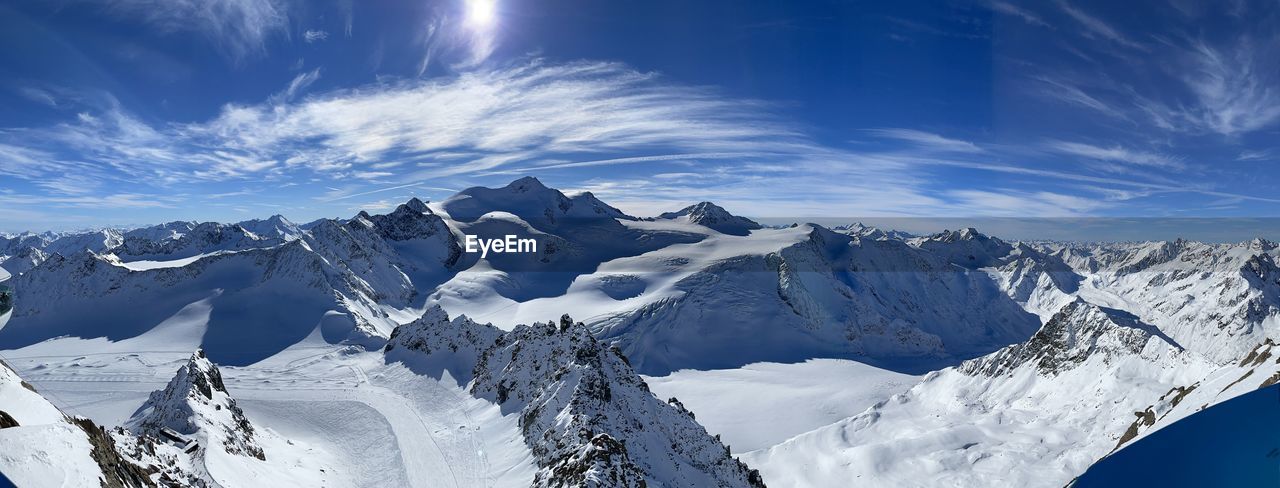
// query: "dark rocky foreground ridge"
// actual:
[[588, 418]]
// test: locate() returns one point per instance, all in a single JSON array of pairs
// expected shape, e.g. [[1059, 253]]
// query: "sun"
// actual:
[[481, 13]]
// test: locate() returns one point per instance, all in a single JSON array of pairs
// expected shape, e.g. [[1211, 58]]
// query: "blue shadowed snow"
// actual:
[[1236, 443]]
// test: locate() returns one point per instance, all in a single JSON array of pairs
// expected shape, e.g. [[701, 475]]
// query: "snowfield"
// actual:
[[744, 405], [706, 351]]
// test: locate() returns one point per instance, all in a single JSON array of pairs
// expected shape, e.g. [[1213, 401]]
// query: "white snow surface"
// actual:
[[763, 404], [1068, 340], [45, 448]]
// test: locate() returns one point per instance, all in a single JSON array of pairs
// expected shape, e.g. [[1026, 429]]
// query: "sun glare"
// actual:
[[481, 13]]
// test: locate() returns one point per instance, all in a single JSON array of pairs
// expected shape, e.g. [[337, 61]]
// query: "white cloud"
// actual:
[[1189, 86], [1072, 94], [311, 36], [486, 119], [927, 140], [238, 27], [296, 86], [1016, 11], [550, 118], [38, 95], [1096, 27], [1117, 154], [1013, 203], [1256, 155], [1232, 89]]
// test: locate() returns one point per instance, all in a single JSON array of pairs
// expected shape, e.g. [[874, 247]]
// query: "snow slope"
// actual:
[[1049, 355], [714, 217], [41, 446], [743, 405]]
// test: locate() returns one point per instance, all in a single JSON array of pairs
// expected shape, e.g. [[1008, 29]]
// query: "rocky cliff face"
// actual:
[[588, 418], [196, 403], [1078, 332]]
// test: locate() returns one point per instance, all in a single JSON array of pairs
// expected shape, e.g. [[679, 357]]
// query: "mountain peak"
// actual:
[[533, 202], [196, 403], [434, 344], [1078, 332], [416, 205], [963, 234], [864, 231], [527, 183], [710, 215], [587, 415]]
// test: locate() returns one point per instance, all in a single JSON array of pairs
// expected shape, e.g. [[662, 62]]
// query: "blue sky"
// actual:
[[120, 112]]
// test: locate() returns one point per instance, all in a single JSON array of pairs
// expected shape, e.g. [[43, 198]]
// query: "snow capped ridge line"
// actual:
[[196, 402], [819, 294], [588, 418], [352, 267], [1077, 332], [860, 230], [1153, 328], [531, 201], [1070, 339], [712, 216]]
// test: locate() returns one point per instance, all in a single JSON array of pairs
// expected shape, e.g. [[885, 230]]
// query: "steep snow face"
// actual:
[[574, 236], [414, 220], [196, 403], [354, 280], [531, 201], [357, 250], [591, 421], [1230, 444], [1033, 414], [425, 248], [96, 241], [263, 300], [712, 216], [827, 295], [23, 259], [41, 446]]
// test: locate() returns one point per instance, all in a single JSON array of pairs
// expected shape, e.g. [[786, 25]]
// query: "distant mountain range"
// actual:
[[1041, 358]]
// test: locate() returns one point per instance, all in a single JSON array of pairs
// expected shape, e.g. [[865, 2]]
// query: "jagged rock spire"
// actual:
[[196, 403]]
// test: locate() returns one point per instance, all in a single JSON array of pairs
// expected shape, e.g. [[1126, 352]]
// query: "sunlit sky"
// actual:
[[126, 112]]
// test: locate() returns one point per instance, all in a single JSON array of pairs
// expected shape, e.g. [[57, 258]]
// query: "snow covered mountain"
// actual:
[[710, 215], [588, 419], [1045, 357], [196, 403], [858, 229], [42, 446], [809, 292], [1119, 360]]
